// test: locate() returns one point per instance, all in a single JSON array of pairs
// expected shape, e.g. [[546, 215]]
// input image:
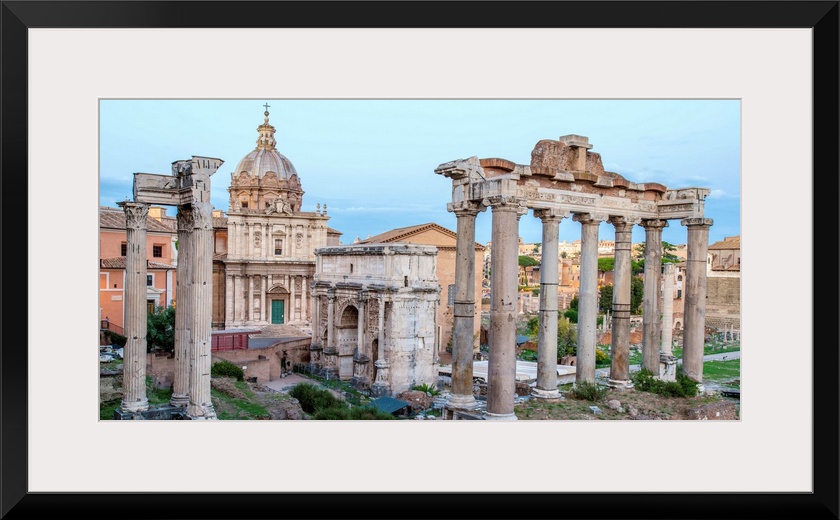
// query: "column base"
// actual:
[[461, 402], [550, 395], [156, 413], [380, 389], [620, 383], [180, 400], [201, 413], [140, 405], [488, 416]]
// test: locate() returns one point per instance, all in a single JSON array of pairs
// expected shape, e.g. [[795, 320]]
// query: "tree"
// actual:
[[566, 335], [563, 255], [667, 256], [605, 301], [160, 329], [637, 291], [537, 248], [527, 261], [606, 264]]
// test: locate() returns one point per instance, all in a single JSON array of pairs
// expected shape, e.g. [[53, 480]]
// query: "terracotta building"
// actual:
[[436, 235], [161, 255]]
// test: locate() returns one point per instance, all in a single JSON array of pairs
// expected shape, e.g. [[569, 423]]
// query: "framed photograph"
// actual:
[[62, 60]]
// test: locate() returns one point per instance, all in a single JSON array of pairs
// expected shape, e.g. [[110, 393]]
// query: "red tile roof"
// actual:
[[119, 263]]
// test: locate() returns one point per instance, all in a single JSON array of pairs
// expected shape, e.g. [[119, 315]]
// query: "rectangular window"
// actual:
[[123, 249], [278, 246], [150, 280], [450, 295], [679, 293], [244, 205], [157, 251]]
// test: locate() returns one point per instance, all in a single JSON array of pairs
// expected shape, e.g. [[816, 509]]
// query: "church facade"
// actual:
[[269, 261]]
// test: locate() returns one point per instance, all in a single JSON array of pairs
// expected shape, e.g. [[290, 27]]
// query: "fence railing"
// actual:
[[107, 325]]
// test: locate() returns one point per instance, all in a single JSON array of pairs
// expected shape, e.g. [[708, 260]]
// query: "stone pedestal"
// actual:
[[667, 367], [381, 386]]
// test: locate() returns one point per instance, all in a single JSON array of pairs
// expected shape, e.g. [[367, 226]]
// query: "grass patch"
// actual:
[[683, 387], [106, 409], [236, 409], [588, 391], [157, 395], [722, 371]]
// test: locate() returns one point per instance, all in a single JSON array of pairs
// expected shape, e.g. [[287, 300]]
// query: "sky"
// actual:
[[372, 161]]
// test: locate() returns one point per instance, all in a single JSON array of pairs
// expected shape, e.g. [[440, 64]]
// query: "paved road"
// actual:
[[605, 372]]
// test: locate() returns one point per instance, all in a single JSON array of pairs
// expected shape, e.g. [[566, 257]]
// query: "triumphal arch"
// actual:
[[565, 179], [187, 188]]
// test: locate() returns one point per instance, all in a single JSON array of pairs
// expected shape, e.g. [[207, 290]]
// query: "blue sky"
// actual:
[[372, 161]]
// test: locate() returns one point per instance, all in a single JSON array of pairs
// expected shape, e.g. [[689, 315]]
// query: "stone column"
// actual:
[[694, 335], [651, 324], [134, 356], [547, 338], [229, 300], [304, 304], [292, 279], [263, 291], [501, 370], [362, 323], [667, 360], [588, 297], [330, 349], [382, 385], [464, 309], [183, 308], [668, 310], [250, 306], [200, 406], [238, 299], [620, 349]]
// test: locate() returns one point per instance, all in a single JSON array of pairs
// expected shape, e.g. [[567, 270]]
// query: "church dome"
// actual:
[[265, 158]]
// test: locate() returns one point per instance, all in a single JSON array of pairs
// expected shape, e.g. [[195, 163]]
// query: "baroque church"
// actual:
[[264, 258]]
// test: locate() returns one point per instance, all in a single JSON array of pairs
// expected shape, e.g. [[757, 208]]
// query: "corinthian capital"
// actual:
[[466, 208], [551, 214], [135, 214], [506, 202], [697, 222], [185, 218], [202, 213], [655, 223]]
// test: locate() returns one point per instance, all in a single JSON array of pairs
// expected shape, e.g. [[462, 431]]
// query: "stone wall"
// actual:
[[723, 302]]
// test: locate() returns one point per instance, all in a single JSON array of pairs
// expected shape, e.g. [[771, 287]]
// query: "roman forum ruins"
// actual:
[[188, 188], [566, 179]]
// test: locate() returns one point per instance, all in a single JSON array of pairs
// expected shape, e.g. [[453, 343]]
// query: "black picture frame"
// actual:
[[19, 16]]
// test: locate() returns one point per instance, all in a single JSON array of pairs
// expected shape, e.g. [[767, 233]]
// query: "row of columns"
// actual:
[[193, 310], [241, 310], [506, 211]]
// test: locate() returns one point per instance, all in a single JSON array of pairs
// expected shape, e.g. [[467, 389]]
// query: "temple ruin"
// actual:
[[565, 179], [188, 188]]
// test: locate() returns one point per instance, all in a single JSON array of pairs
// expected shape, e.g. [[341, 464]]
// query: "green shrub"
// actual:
[[313, 399], [645, 381], [427, 388], [588, 391], [571, 315], [226, 369], [367, 413], [601, 357], [333, 413], [118, 339]]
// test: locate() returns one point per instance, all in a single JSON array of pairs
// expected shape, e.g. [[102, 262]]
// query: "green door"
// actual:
[[276, 311]]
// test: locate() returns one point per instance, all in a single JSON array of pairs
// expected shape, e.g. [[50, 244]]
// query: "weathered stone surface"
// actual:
[[225, 385], [417, 400], [523, 388], [615, 404], [719, 411]]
